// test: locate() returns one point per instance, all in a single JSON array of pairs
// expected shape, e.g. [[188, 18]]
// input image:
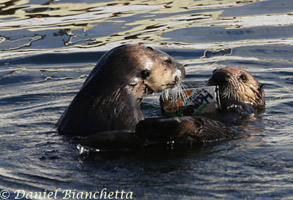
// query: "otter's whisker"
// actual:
[[184, 94]]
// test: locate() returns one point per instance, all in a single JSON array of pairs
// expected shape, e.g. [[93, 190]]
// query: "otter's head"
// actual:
[[142, 70], [236, 85], [154, 69], [139, 69]]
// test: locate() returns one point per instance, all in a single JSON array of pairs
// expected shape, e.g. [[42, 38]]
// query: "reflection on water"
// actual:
[[47, 49], [86, 25]]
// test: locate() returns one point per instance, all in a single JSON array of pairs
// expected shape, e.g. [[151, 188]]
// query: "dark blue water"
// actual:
[[47, 49]]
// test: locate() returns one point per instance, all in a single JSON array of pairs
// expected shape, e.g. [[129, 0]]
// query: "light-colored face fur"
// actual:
[[163, 75], [238, 85], [158, 71]]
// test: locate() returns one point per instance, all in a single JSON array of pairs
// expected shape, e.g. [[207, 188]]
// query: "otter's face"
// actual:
[[238, 85], [157, 70]]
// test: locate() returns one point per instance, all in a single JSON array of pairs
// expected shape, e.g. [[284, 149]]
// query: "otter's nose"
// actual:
[[219, 77]]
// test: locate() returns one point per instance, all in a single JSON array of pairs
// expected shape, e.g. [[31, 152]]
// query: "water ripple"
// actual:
[[48, 49]]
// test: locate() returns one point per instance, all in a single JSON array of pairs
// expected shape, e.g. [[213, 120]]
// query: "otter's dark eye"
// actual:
[[243, 78], [145, 73]]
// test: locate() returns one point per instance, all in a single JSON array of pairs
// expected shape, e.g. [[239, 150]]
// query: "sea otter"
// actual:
[[240, 93], [106, 110], [110, 97]]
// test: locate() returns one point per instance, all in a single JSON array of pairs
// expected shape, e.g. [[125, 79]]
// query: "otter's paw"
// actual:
[[189, 130]]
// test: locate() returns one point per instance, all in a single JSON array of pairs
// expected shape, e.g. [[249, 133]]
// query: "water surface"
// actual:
[[47, 49]]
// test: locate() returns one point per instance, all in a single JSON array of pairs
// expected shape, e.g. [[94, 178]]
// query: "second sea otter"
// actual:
[[240, 93]]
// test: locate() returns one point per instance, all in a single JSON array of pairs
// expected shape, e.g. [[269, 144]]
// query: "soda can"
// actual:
[[192, 101]]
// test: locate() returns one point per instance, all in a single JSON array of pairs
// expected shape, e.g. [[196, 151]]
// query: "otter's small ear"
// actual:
[[150, 48], [243, 78], [261, 86]]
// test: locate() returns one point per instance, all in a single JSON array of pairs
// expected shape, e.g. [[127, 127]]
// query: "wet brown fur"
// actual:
[[110, 97], [237, 85]]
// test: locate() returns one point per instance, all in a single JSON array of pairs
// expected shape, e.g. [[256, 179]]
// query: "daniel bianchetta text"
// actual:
[[72, 194]]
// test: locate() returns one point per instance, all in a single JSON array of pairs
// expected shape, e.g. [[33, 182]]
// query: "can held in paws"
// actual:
[[192, 101]]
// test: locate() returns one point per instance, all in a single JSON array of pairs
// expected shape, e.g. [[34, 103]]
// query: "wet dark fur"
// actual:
[[160, 131], [107, 107], [110, 97], [186, 130]]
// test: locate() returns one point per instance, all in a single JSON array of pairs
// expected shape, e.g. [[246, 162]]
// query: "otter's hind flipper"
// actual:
[[190, 130]]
